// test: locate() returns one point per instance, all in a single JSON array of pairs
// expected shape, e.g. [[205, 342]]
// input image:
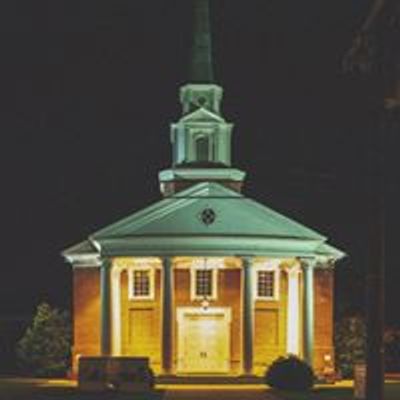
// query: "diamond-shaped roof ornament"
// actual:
[[208, 216]]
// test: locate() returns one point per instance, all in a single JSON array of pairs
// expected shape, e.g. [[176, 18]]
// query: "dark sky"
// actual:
[[89, 88]]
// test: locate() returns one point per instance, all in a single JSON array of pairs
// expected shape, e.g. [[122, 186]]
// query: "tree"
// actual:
[[350, 344], [375, 53], [44, 350], [392, 350]]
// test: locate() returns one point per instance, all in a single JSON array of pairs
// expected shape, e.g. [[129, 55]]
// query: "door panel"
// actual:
[[142, 331], [205, 343]]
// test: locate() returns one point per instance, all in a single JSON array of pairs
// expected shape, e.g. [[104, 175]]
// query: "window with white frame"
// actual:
[[141, 283], [203, 283], [267, 283]]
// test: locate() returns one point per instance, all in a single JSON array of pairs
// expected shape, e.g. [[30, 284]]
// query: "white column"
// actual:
[[105, 313], [293, 311], [167, 316], [116, 309], [308, 307], [248, 316]]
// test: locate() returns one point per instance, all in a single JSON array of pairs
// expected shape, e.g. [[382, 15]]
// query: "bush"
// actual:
[[44, 350], [350, 344], [290, 373], [392, 350]]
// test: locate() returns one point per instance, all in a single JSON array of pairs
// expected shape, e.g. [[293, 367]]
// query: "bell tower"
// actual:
[[201, 139]]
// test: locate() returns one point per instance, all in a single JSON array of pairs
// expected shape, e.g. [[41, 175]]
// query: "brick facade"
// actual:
[[86, 313], [141, 320], [324, 280]]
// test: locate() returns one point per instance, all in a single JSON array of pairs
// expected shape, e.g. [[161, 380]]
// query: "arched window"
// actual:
[[202, 148]]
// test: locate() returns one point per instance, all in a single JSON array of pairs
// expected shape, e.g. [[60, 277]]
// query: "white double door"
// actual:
[[204, 341]]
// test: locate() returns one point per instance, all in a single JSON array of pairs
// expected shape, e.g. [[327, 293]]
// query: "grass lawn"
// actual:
[[317, 394], [40, 389], [340, 391]]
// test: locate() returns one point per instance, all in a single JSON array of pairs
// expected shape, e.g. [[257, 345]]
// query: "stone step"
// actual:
[[209, 380]]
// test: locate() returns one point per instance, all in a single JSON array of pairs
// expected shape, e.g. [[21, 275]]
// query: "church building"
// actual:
[[205, 281]]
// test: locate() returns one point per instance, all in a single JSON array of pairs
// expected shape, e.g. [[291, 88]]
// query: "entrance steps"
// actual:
[[209, 380]]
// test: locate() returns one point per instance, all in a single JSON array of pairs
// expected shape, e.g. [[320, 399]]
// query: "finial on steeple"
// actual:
[[202, 66]]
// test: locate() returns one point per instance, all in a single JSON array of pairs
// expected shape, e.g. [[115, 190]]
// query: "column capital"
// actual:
[[293, 270], [166, 261], [106, 262], [307, 263], [247, 260]]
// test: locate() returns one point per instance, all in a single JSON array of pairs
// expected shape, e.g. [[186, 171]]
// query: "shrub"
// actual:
[[350, 344], [392, 350], [44, 350], [290, 373]]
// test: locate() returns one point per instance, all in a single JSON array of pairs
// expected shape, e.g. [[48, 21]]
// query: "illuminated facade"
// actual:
[[205, 281]]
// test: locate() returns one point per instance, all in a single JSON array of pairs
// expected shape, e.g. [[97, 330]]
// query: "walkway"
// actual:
[[217, 392]]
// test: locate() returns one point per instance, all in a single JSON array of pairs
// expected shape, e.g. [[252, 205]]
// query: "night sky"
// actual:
[[89, 88]]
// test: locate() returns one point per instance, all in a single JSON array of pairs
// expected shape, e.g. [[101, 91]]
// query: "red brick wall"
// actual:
[[86, 313], [324, 280]]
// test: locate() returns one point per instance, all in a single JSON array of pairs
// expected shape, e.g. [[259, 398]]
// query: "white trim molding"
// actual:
[[201, 264], [133, 262], [182, 313], [131, 272], [84, 260], [267, 265]]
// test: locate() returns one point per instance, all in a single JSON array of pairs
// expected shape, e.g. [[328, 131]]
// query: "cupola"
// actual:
[[201, 139]]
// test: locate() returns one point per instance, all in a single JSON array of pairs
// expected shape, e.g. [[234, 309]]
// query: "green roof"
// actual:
[[85, 247], [209, 218], [181, 215]]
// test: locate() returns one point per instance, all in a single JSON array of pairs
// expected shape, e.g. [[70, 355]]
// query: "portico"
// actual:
[[197, 337]]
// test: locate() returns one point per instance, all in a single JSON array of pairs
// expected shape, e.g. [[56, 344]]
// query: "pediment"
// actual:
[[202, 115], [208, 209]]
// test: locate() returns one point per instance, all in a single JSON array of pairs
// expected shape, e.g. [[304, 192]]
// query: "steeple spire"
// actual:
[[202, 65], [201, 139]]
